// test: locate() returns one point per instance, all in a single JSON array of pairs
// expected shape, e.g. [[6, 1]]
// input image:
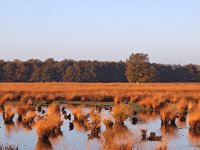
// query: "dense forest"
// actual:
[[136, 68]]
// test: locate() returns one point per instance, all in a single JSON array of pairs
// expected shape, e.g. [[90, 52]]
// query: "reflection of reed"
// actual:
[[194, 138], [1, 108], [20, 125], [119, 137], [78, 113], [55, 139], [148, 116], [161, 146], [169, 131], [9, 129], [181, 123], [43, 144], [80, 125]]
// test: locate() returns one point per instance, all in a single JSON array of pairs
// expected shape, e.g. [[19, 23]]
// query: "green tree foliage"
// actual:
[[138, 69], [9, 70]]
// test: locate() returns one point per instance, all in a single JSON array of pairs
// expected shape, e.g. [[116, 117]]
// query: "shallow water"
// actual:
[[175, 137]]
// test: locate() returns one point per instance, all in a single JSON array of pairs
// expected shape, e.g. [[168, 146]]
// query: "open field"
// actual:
[[97, 91], [105, 88]]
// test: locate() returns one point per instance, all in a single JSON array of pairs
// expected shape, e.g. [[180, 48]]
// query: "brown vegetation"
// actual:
[[155, 92], [194, 120], [121, 112], [8, 114], [119, 137], [50, 124]]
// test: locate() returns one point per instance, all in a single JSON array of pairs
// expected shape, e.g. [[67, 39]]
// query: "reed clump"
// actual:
[[194, 120], [121, 112], [28, 119], [79, 114], [119, 137], [49, 92], [8, 114], [168, 115], [108, 123], [95, 124], [50, 124]]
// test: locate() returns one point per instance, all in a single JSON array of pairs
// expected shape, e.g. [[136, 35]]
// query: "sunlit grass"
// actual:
[[121, 112]]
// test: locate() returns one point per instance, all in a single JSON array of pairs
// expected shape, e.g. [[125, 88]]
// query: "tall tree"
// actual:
[[138, 68]]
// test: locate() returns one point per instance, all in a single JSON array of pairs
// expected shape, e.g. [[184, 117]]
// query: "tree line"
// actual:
[[136, 68]]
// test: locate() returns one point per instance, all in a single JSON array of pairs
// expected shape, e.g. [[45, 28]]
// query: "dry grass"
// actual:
[[47, 125], [169, 114], [119, 137], [95, 119], [121, 112], [107, 123], [8, 113], [194, 120], [29, 117], [97, 91], [79, 114]]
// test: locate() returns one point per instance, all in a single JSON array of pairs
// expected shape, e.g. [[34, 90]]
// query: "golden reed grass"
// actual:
[[98, 91], [52, 121], [121, 112], [194, 120]]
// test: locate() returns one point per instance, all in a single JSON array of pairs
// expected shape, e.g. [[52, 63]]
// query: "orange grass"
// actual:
[[45, 126], [29, 117], [119, 137], [97, 91], [168, 114], [194, 118], [121, 112], [9, 113], [79, 114]]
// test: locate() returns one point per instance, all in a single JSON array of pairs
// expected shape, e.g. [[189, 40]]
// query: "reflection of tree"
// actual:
[[119, 137]]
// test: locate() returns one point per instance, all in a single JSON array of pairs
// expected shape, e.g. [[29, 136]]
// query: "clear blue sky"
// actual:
[[168, 30]]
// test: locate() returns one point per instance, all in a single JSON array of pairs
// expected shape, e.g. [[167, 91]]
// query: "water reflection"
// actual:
[[10, 129], [43, 145], [118, 137], [169, 131], [194, 138], [88, 125]]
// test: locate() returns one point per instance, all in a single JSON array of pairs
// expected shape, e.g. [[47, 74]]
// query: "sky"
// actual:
[[168, 30]]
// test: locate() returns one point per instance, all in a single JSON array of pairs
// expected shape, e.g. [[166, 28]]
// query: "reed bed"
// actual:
[[98, 91]]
